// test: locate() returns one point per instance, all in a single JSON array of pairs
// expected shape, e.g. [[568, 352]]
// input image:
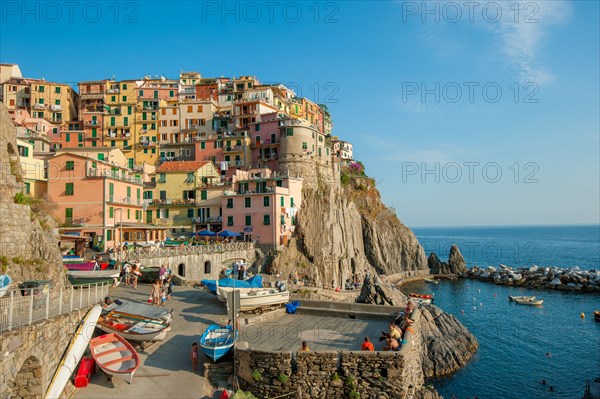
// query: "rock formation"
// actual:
[[447, 344], [346, 233], [28, 237], [456, 263], [377, 292]]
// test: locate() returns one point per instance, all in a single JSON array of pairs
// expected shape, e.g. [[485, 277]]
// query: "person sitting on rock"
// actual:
[[408, 310], [395, 331], [391, 344], [367, 345]]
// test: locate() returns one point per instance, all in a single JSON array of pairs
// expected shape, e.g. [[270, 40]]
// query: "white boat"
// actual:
[[77, 277], [421, 301], [115, 356], [133, 327], [73, 354], [531, 302], [521, 298], [262, 297], [5, 282], [126, 306], [222, 291], [431, 281]]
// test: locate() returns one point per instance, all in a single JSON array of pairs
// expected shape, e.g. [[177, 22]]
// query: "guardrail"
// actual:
[[25, 306], [144, 253]]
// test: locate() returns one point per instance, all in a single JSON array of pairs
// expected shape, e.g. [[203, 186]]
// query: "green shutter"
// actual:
[[111, 212], [69, 189], [282, 201], [69, 213], [266, 201], [203, 194], [248, 220]]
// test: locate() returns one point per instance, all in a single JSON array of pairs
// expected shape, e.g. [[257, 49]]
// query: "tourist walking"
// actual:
[[127, 273], [169, 287], [135, 275], [155, 293], [161, 274], [163, 298]]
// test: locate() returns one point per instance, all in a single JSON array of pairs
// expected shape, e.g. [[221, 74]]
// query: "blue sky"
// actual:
[[498, 102]]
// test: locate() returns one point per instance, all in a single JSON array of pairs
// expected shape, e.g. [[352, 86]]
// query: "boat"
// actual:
[[431, 281], [521, 298], [262, 297], [133, 327], [5, 282], [422, 301], [73, 353], [85, 266], [532, 302], [217, 341], [421, 296], [222, 291], [126, 306], [115, 356], [597, 315], [93, 276]]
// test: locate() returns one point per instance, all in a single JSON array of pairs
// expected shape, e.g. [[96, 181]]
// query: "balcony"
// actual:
[[91, 123], [211, 219], [125, 201], [233, 148], [70, 222], [114, 90], [267, 190], [112, 174], [54, 107], [39, 106], [177, 202], [89, 94]]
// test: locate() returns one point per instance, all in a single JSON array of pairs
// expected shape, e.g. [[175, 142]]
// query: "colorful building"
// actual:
[[262, 205], [342, 150], [188, 196], [33, 171]]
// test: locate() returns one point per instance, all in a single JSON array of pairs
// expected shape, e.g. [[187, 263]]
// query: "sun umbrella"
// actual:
[[204, 233], [227, 233]]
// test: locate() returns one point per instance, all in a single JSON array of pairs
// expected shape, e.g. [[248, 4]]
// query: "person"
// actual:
[[106, 302], [155, 293], [161, 274], [194, 357], [395, 331], [127, 273], [241, 272], [136, 274], [222, 274], [304, 347], [367, 345], [169, 287], [163, 298], [391, 344]]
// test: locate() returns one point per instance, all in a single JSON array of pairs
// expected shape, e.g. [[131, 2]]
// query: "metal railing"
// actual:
[[144, 253], [25, 306]]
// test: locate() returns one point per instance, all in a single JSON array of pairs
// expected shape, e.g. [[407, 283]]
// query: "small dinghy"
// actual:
[[431, 281], [531, 302], [133, 327], [521, 298], [115, 356], [597, 315], [422, 296], [217, 341]]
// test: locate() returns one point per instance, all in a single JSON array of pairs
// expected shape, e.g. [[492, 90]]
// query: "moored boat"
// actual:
[[133, 327], [73, 354], [217, 341], [262, 297], [5, 282], [421, 296], [597, 315], [431, 281], [531, 302], [222, 291], [93, 276], [422, 301], [115, 356], [521, 298]]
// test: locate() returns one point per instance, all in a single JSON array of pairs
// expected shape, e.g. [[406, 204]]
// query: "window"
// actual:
[[57, 89], [128, 213], [124, 86], [70, 165], [248, 202], [41, 89], [292, 202], [113, 98], [128, 192], [108, 235], [124, 98], [68, 137], [68, 214], [229, 220], [304, 145], [125, 121], [279, 183], [257, 128], [171, 93], [282, 220], [80, 137], [100, 157], [267, 220], [27, 188], [141, 93], [199, 108], [69, 189], [162, 178], [289, 131], [203, 145], [248, 220], [57, 102], [145, 150], [266, 201], [229, 202], [203, 194], [282, 201], [112, 121], [190, 213], [129, 110]]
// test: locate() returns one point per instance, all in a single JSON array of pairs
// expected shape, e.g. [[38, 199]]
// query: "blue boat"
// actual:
[[217, 341], [5, 282]]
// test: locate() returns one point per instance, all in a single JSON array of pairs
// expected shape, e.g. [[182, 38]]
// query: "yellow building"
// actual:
[[119, 117], [35, 181], [188, 196], [55, 102]]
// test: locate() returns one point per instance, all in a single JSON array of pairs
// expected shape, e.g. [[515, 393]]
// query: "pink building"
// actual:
[[264, 136], [262, 205], [99, 200]]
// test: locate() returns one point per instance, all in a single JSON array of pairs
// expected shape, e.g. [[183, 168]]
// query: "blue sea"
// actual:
[[519, 345]]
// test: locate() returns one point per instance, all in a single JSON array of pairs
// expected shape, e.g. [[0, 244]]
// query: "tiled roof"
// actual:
[[181, 166]]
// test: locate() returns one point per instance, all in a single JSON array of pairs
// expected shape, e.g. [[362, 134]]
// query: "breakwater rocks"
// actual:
[[447, 344], [456, 263], [552, 278]]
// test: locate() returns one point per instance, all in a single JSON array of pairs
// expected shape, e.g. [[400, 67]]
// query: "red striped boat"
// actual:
[[87, 266], [421, 296]]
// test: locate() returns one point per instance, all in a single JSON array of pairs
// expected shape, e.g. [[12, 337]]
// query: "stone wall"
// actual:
[[330, 374], [31, 354], [195, 264]]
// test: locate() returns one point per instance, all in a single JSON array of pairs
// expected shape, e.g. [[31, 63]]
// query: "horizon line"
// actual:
[[508, 225]]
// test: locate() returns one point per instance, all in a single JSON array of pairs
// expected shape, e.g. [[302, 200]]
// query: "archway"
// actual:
[[28, 381], [207, 267], [181, 270]]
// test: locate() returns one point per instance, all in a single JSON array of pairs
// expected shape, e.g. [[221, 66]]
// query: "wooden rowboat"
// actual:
[[217, 341], [133, 327], [115, 356], [531, 302], [73, 354]]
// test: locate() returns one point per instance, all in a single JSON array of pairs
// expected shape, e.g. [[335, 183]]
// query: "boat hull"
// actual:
[[216, 341], [134, 328], [521, 298], [92, 277], [251, 302], [73, 355], [115, 356], [535, 302]]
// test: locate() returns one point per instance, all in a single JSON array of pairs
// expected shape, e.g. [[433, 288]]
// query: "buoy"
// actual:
[[462, 311], [480, 304], [494, 294], [474, 308], [582, 315]]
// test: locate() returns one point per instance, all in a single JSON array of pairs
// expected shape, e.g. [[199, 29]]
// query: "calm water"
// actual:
[[514, 339]]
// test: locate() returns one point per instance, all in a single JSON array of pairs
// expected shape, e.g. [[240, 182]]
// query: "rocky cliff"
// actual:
[[28, 237], [447, 344], [345, 232], [456, 263]]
